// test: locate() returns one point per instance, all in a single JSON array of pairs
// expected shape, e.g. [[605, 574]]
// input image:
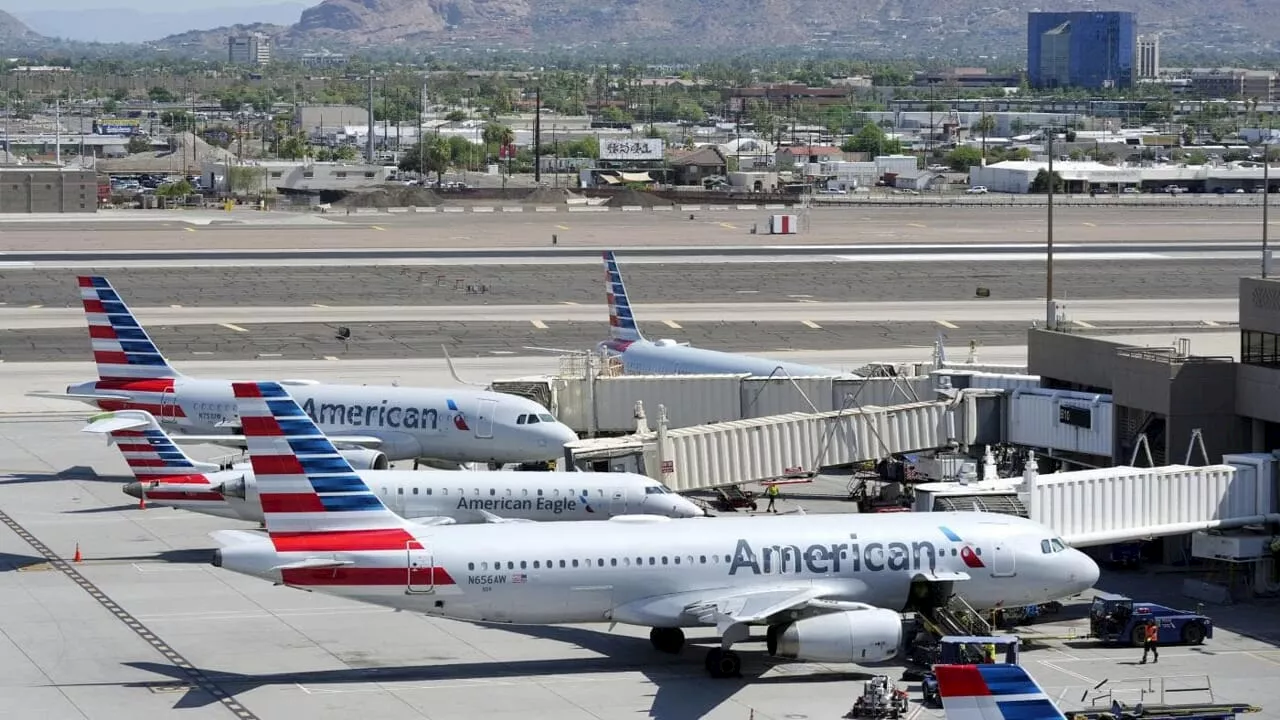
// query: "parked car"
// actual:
[[977, 190]]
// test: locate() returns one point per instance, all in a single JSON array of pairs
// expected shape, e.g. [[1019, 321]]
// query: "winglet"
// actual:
[[622, 323], [992, 692]]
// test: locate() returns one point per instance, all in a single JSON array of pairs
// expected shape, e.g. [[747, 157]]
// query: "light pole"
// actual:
[[1051, 315], [1266, 193]]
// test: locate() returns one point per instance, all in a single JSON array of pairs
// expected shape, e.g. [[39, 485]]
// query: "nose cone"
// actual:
[[559, 434], [1084, 571], [133, 489], [684, 508]]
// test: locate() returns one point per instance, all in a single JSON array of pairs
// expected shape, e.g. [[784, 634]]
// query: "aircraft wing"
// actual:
[[751, 607], [237, 441]]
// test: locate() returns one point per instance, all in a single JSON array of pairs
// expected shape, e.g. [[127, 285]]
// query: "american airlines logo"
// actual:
[[821, 559], [383, 414]]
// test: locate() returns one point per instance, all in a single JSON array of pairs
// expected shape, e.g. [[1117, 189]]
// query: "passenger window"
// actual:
[[535, 564], [653, 560], [676, 559], [384, 489], [702, 559], [474, 491], [613, 562], [428, 491], [492, 492], [522, 565], [626, 562], [571, 493], [557, 493], [575, 563], [511, 565], [415, 491], [599, 562], [561, 563], [639, 561], [664, 559], [525, 492], [471, 566], [508, 492], [484, 566], [399, 491], [539, 492]]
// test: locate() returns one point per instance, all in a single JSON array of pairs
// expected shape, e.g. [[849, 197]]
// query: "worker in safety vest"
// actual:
[[772, 493], [989, 653], [1151, 642]]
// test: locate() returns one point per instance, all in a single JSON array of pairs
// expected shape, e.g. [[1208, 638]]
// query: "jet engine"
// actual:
[[858, 636], [365, 459]]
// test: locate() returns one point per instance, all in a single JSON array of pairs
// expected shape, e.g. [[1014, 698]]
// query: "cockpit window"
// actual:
[[656, 490], [532, 418], [547, 417], [1058, 545], [1046, 547], [520, 420]]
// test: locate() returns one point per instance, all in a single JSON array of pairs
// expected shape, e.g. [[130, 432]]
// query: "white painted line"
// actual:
[[502, 352], [34, 307], [631, 208], [512, 208], [175, 306], [237, 328], [482, 209], [319, 305], [811, 324], [948, 324], [454, 209], [672, 324], [1083, 324], [544, 208], [330, 357], [267, 355], [539, 324]]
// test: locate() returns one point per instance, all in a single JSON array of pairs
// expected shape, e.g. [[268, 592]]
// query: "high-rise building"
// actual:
[[1234, 84], [1080, 49], [1148, 57], [251, 49]]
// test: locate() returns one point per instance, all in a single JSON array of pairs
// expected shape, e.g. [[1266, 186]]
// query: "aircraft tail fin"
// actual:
[[312, 499], [622, 323], [993, 692], [148, 450], [121, 347]]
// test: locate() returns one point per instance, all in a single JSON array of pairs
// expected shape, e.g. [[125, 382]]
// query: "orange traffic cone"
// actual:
[[77, 558], [142, 501]]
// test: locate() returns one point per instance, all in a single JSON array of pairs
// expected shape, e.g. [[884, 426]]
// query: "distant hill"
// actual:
[[11, 28], [895, 28], [124, 25]]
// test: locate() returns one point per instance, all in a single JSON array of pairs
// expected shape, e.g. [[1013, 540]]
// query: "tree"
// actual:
[[871, 139], [964, 157], [160, 94], [345, 153], [437, 157], [138, 144], [455, 116], [1040, 185], [179, 189], [294, 146], [1197, 157], [247, 179], [984, 126]]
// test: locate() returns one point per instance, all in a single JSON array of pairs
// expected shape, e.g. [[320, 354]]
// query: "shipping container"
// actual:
[[762, 397], [1093, 507], [1061, 420]]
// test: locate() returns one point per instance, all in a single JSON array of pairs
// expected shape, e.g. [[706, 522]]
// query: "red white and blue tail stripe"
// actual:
[[622, 323], [992, 692], [311, 496], [148, 450], [121, 348]]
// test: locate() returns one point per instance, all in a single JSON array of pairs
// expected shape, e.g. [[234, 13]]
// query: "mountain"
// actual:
[[871, 28], [11, 29], [125, 25]]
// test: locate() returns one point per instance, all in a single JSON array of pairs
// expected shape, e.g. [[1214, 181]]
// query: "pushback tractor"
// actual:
[[1116, 619]]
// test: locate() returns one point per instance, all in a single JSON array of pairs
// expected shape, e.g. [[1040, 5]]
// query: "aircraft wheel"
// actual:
[[667, 640], [723, 663]]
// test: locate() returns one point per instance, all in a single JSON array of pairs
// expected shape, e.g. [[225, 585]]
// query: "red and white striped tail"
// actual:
[[121, 348], [312, 499]]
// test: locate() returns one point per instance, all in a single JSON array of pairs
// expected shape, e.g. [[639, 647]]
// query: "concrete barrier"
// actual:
[[512, 208], [663, 208], [398, 210], [482, 209], [775, 207], [689, 208], [545, 208], [424, 209], [588, 208], [748, 207], [451, 209], [632, 208], [367, 211], [1026, 200], [718, 208]]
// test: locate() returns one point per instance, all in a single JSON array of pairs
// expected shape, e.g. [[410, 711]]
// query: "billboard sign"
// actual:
[[644, 149], [117, 126]]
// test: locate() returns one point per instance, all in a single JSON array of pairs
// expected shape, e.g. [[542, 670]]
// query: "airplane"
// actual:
[[829, 588], [168, 477], [993, 692], [373, 424], [668, 357]]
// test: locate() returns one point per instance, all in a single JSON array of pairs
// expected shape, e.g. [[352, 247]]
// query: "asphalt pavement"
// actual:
[[471, 339], [646, 283]]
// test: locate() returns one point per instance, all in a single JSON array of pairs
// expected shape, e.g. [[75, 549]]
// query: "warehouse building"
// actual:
[[45, 189], [1016, 176]]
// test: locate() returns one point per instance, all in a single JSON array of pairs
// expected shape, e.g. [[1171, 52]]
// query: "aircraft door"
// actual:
[[618, 504], [421, 577], [484, 421], [1004, 562], [169, 406]]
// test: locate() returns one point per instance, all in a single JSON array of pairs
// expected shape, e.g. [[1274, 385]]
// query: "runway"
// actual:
[[647, 282], [919, 224]]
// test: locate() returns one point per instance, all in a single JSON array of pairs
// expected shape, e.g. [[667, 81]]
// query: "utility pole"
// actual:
[[1266, 194], [537, 135], [57, 131], [369, 142], [1051, 314]]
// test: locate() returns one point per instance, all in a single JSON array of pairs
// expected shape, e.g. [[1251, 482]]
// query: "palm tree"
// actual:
[[985, 124], [438, 155]]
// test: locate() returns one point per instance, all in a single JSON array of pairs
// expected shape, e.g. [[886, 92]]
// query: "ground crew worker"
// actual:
[[1151, 643], [772, 493], [989, 653]]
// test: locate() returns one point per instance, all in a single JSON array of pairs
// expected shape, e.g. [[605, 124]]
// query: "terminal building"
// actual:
[[1164, 394], [1081, 176]]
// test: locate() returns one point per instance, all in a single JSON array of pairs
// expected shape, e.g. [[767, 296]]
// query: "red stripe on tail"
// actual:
[[260, 426], [291, 502], [346, 540]]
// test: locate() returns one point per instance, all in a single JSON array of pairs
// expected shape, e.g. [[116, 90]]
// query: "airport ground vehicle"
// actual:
[[966, 650], [1119, 620], [880, 698], [729, 499]]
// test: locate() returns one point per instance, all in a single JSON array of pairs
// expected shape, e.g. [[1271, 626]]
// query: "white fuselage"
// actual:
[[463, 496], [646, 571], [459, 425], [644, 357]]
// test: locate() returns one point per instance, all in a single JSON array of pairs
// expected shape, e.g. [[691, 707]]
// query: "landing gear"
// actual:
[[667, 640], [723, 663]]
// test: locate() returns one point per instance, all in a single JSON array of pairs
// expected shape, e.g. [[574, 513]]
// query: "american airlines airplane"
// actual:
[[373, 424], [668, 357], [166, 476], [829, 588], [993, 692]]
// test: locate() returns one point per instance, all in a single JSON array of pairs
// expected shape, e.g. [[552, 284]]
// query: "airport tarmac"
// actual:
[[144, 627], [823, 280], [910, 224]]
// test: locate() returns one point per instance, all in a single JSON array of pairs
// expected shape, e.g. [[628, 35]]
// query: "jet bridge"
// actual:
[[755, 449]]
